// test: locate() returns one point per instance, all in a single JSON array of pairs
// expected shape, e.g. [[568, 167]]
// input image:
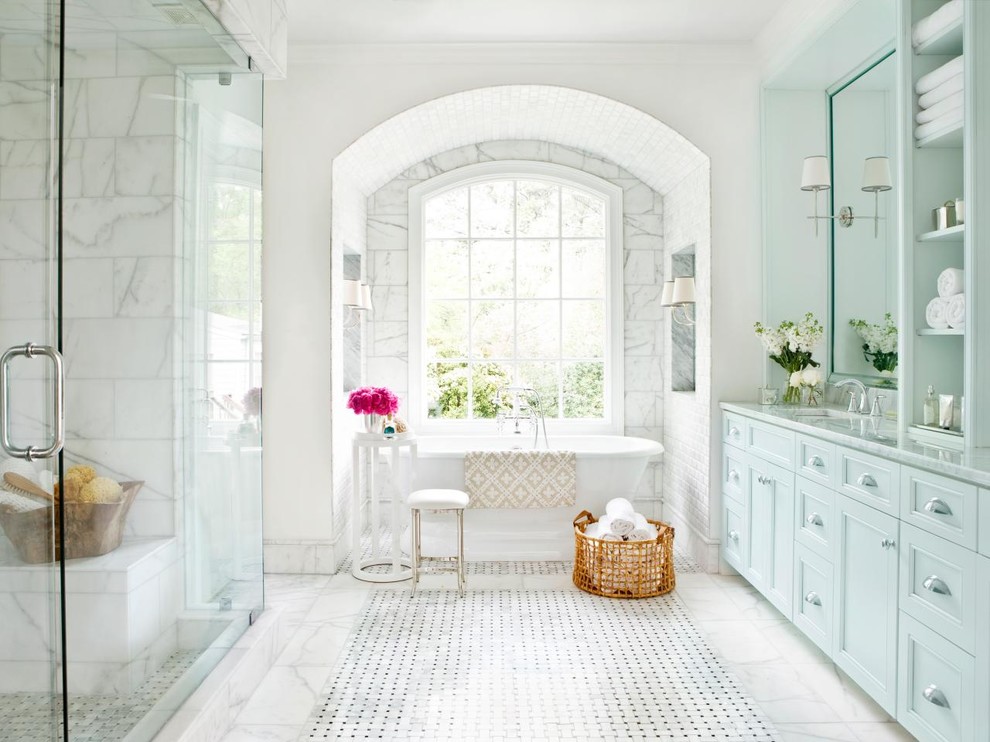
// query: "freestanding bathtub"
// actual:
[[607, 466]]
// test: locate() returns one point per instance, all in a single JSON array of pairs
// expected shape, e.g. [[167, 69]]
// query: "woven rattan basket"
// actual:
[[623, 569]]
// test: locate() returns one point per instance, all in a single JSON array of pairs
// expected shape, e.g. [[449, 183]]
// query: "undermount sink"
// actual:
[[823, 412]]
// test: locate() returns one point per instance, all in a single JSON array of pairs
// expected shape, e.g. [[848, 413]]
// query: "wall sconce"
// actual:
[[357, 298], [876, 177], [679, 296]]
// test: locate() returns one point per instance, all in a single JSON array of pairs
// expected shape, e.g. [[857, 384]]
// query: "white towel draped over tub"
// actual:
[[521, 479]]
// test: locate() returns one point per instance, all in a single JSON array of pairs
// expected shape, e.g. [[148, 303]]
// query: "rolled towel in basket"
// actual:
[[620, 506], [950, 282], [642, 534], [621, 526], [935, 313], [611, 537], [955, 313]]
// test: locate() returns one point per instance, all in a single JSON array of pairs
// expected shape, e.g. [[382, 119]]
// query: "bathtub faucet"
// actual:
[[526, 405]]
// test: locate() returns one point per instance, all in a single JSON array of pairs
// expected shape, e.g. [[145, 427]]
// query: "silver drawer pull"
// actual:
[[734, 431], [733, 475], [764, 480], [812, 598], [866, 480], [936, 585], [933, 695], [937, 506], [734, 535], [816, 461], [888, 543], [814, 520]]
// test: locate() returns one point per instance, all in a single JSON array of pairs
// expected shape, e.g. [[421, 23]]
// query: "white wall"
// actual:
[[710, 95]]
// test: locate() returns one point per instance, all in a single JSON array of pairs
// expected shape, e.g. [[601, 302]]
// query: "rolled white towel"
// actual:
[[955, 313], [619, 506], [621, 526], [593, 530], [611, 537], [640, 521], [938, 94], [941, 108], [935, 313], [943, 123], [933, 24], [642, 534], [927, 83], [950, 282]]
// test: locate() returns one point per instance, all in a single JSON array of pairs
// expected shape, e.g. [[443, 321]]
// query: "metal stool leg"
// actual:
[[460, 553], [415, 549]]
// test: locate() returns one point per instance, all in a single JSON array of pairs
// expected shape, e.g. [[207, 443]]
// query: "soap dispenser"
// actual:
[[931, 407]]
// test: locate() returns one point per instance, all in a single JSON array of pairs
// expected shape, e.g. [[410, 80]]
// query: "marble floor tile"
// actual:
[[850, 701], [815, 732], [784, 694], [865, 731], [792, 644], [751, 604], [315, 644], [286, 696], [263, 733], [741, 642], [709, 604], [338, 608]]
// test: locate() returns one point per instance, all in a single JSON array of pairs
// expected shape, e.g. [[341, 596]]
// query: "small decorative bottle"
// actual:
[[388, 429], [930, 414]]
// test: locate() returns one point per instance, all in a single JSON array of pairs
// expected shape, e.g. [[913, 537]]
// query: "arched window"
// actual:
[[515, 280]]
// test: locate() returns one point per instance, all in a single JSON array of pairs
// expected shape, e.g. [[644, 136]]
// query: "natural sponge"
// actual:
[[101, 489]]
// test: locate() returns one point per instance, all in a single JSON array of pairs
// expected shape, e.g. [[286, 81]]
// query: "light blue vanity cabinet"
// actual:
[[865, 604], [885, 563]]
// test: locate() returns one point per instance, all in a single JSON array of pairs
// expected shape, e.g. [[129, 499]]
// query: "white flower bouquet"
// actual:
[[790, 345], [879, 342]]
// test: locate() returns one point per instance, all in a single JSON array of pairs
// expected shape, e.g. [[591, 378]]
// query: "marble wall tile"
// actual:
[[21, 282], [643, 338], [393, 198], [388, 267], [640, 409], [120, 107], [643, 231], [24, 233], [24, 168], [643, 303], [143, 287], [143, 408], [643, 373], [513, 150], [88, 168], [389, 339], [581, 160], [637, 197], [388, 232], [81, 276], [389, 371], [144, 166], [89, 409], [123, 226], [390, 304], [639, 268], [24, 114], [118, 348]]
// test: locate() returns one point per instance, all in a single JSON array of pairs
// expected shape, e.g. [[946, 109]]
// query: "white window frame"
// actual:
[[613, 421]]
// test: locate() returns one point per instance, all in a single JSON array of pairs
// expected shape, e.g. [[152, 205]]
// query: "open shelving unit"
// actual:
[[952, 234], [930, 331]]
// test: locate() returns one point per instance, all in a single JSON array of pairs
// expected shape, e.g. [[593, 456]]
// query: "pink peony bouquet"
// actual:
[[373, 400]]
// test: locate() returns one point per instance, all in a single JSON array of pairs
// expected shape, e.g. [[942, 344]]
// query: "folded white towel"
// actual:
[[935, 313], [938, 94], [642, 534], [619, 506], [938, 21], [955, 313], [939, 75], [943, 122], [941, 108], [950, 282]]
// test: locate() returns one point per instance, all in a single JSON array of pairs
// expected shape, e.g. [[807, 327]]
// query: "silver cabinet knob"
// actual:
[[814, 520], [933, 695], [888, 543], [866, 480], [812, 598], [733, 475], [816, 461], [734, 431], [936, 584], [734, 535], [937, 506]]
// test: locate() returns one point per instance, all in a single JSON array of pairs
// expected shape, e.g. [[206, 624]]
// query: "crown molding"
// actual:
[[525, 53]]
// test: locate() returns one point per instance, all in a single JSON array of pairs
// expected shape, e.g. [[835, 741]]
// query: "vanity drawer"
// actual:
[[814, 516], [938, 585], [869, 479], [815, 460], [943, 506], [813, 597], [770, 443], [735, 474], [734, 534], [935, 696], [734, 429], [983, 508]]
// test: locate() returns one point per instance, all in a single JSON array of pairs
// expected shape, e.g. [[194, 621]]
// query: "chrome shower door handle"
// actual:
[[30, 350]]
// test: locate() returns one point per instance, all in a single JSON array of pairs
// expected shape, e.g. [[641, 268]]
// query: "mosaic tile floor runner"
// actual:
[[531, 665]]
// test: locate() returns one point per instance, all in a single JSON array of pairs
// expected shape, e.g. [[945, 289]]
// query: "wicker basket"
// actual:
[[91, 528], [623, 569]]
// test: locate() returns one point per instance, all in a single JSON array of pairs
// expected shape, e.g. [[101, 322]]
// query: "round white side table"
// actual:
[[372, 444]]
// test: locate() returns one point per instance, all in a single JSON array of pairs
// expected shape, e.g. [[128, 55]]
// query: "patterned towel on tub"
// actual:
[[520, 479]]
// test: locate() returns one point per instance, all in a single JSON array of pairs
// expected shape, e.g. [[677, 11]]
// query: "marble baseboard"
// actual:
[[301, 557]]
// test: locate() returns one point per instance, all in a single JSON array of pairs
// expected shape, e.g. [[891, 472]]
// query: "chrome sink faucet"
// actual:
[[864, 401]]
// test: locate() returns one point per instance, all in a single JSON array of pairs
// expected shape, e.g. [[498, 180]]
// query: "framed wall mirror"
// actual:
[[863, 255]]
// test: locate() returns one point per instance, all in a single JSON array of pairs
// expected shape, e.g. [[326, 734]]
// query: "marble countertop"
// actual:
[[876, 436]]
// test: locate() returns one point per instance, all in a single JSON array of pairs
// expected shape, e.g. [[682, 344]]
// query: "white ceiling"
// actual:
[[453, 21]]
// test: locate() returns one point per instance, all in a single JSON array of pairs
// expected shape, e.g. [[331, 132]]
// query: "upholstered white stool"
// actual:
[[443, 501]]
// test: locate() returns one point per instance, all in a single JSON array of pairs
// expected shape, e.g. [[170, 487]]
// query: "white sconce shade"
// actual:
[[683, 291], [667, 298], [814, 174], [356, 295], [876, 174]]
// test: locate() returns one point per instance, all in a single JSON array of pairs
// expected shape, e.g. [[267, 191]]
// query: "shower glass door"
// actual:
[[29, 574]]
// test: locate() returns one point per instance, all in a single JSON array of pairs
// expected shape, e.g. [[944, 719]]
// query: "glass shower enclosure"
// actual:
[[130, 374]]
